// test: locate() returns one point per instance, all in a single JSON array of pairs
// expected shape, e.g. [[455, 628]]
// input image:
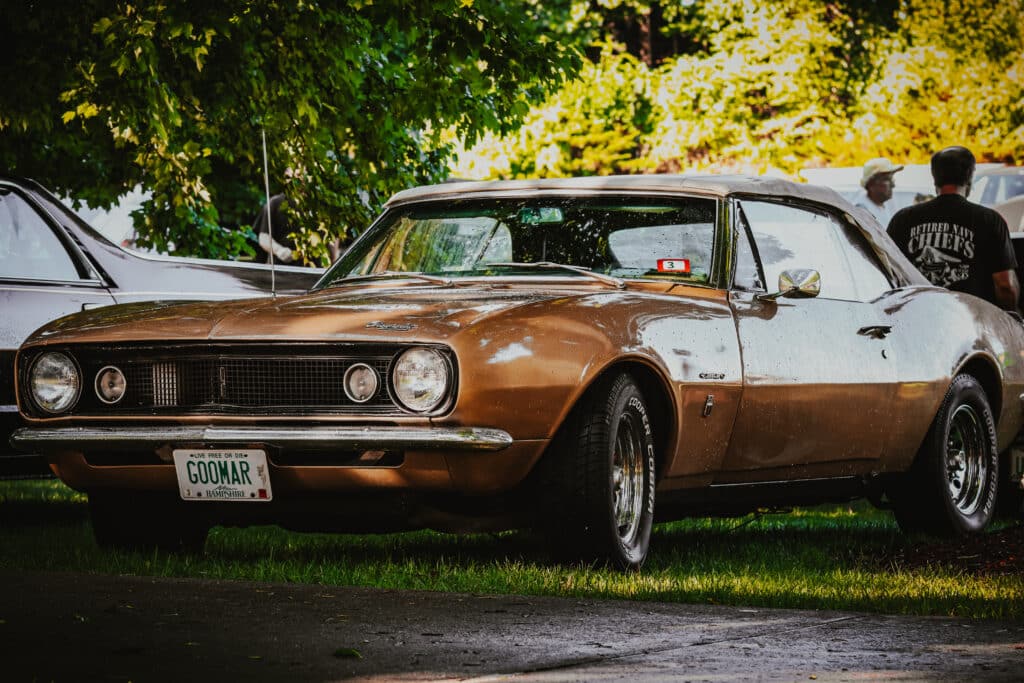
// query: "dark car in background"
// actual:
[[52, 264]]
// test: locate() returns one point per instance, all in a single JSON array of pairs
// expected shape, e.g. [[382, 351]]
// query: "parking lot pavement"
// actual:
[[75, 627]]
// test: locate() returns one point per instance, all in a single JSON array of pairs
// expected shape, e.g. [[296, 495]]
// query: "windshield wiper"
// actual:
[[397, 275], [548, 265]]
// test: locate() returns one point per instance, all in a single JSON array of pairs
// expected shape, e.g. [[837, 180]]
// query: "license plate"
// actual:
[[223, 475], [1017, 466]]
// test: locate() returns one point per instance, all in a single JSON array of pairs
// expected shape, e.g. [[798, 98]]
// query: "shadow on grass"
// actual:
[[805, 561], [423, 547], [24, 513], [823, 548], [817, 539]]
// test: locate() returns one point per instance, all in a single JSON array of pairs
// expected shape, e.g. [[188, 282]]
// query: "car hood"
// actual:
[[391, 313]]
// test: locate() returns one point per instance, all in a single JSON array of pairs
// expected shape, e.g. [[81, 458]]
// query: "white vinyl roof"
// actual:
[[718, 185]]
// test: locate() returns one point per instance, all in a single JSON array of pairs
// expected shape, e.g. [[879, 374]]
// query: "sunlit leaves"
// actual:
[[953, 76], [777, 86]]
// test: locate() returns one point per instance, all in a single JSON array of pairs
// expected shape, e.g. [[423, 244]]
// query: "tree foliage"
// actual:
[[352, 96], [362, 98], [953, 74], [594, 125], [776, 86]]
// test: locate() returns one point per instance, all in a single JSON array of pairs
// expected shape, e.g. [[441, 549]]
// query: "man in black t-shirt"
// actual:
[[956, 243]]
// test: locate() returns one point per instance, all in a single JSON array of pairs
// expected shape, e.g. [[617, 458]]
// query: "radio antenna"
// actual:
[[270, 227]]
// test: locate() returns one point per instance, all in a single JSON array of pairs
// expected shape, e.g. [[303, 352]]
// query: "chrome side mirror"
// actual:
[[799, 283]]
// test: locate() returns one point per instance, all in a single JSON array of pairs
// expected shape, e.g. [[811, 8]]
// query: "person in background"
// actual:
[[956, 243], [878, 183], [274, 238]]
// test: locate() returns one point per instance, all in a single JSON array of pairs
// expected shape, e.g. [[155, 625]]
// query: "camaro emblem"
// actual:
[[396, 327], [712, 375]]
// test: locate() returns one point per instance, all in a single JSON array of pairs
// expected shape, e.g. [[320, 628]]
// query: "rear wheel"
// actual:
[[951, 488], [143, 521], [599, 477]]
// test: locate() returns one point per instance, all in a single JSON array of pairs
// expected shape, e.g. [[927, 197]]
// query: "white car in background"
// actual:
[[1003, 190], [53, 263], [997, 186], [1012, 210]]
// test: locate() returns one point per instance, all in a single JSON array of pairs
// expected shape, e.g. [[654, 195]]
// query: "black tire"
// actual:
[[144, 521], [950, 489], [599, 478]]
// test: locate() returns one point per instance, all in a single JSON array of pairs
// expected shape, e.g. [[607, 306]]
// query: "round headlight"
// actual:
[[110, 384], [54, 382], [421, 378], [361, 382]]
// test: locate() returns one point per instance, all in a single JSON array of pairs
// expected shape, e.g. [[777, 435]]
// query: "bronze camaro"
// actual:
[[582, 357]]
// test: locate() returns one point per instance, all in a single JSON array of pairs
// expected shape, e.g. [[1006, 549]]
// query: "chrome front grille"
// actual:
[[237, 379], [165, 384], [274, 382]]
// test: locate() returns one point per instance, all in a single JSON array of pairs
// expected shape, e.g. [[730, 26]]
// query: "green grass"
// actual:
[[816, 558]]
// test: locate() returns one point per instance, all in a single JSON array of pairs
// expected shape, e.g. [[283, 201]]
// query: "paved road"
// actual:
[[73, 627]]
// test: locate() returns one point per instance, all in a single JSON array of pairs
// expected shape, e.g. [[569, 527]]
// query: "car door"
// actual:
[[819, 377]]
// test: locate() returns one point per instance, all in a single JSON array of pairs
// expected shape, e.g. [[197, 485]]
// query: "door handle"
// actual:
[[875, 331]]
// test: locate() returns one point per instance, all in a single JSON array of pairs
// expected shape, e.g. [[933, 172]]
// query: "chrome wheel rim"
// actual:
[[966, 460], [628, 479]]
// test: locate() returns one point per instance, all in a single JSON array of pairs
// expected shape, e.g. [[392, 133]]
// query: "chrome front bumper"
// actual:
[[326, 439]]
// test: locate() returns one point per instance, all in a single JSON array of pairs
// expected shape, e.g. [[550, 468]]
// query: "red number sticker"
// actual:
[[674, 265]]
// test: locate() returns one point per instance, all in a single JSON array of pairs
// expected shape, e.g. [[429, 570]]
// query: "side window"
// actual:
[[748, 275], [868, 275], [29, 249], [787, 238]]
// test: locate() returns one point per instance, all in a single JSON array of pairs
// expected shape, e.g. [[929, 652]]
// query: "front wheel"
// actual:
[[600, 477], [951, 488]]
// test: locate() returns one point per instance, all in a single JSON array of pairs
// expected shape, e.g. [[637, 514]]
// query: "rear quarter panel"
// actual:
[[937, 334]]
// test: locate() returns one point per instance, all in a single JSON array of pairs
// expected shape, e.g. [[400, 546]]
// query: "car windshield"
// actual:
[[622, 237]]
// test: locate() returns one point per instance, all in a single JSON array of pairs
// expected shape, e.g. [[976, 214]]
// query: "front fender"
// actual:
[[526, 371]]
